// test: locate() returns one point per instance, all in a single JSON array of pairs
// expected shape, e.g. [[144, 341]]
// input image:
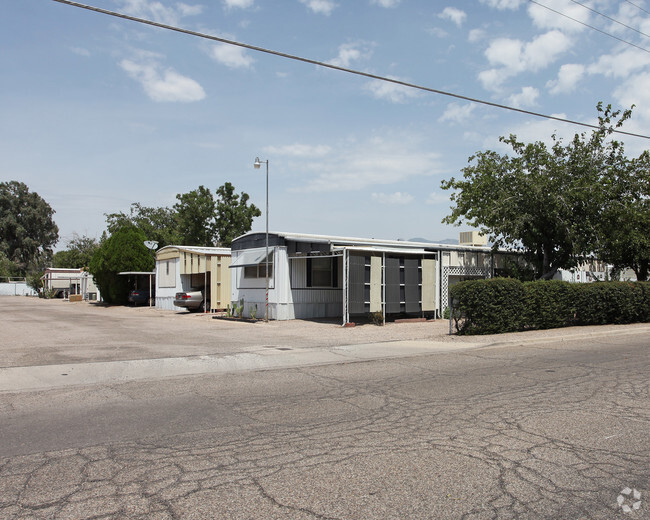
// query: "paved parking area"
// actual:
[[63, 332], [54, 332]]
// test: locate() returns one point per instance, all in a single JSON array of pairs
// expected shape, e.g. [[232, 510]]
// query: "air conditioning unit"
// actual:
[[472, 238]]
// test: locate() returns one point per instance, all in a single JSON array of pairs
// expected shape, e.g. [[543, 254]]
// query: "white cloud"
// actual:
[[621, 64], [438, 32], [386, 3], [476, 35], [393, 198], [513, 57], [189, 10], [568, 78], [80, 51], [299, 150], [518, 56], [349, 52], [455, 15], [384, 160], [163, 85], [391, 91], [503, 4], [437, 198], [635, 91], [547, 19], [231, 56], [526, 98], [457, 113], [320, 6], [492, 79], [158, 12], [239, 4]]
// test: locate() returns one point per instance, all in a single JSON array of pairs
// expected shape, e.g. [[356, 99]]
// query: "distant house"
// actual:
[[186, 268], [63, 282], [317, 276]]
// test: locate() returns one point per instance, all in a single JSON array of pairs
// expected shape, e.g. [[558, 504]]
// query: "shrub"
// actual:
[[612, 302], [488, 306], [549, 304], [124, 250], [506, 305]]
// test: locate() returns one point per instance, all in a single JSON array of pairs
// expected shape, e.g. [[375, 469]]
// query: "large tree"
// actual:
[[78, 254], [196, 217], [124, 250], [546, 202], [624, 229], [234, 215], [158, 224], [27, 230]]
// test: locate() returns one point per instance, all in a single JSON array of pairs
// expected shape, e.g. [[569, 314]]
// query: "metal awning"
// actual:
[[250, 257]]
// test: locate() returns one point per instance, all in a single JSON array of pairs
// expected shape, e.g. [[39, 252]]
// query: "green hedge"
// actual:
[[488, 306], [507, 305]]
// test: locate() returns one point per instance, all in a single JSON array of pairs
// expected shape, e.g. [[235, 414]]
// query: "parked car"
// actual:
[[193, 301], [139, 297]]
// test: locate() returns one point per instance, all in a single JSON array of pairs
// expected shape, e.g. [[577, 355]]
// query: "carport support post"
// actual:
[[150, 275]]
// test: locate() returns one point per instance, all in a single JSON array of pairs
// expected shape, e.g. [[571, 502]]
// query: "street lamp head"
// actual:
[[257, 163]]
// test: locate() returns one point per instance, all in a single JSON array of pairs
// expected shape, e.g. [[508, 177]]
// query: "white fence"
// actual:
[[16, 288]]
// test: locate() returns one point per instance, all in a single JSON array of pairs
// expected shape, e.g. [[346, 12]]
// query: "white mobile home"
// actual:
[[317, 276]]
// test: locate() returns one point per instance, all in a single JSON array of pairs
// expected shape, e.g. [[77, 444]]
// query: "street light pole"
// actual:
[[257, 165]]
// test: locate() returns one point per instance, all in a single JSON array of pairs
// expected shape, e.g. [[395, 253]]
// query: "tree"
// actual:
[[158, 224], [234, 215], [546, 203], [624, 236], [79, 253], [196, 217], [27, 230], [124, 250], [8, 269]]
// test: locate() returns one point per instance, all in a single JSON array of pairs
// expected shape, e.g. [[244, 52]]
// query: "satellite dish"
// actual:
[[150, 244]]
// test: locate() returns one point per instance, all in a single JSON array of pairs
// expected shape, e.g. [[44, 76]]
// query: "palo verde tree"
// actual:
[[27, 230], [546, 202], [234, 214]]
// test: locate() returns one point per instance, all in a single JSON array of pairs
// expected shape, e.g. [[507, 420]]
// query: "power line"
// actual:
[[610, 18], [334, 67], [582, 23], [637, 6]]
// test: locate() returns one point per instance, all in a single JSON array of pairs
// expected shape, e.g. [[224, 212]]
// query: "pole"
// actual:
[[267, 242]]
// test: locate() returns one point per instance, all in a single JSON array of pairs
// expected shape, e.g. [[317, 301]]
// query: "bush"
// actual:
[[549, 304], [506, 305], [488, 306], [612, 302]]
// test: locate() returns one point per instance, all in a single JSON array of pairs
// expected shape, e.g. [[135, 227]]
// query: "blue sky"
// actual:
[[99, 112]]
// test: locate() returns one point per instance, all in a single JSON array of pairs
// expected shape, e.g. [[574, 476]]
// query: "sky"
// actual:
[[98, 112]]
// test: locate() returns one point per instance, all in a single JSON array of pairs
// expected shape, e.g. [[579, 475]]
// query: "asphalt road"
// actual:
[[555, 429]]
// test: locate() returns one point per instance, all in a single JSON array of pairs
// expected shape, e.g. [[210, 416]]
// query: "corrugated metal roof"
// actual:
[[199, 250], [356, 241]]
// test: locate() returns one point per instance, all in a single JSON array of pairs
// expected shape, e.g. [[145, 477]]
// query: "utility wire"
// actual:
[[637, 6], [582, 23], [334, 67], [610, 18]]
